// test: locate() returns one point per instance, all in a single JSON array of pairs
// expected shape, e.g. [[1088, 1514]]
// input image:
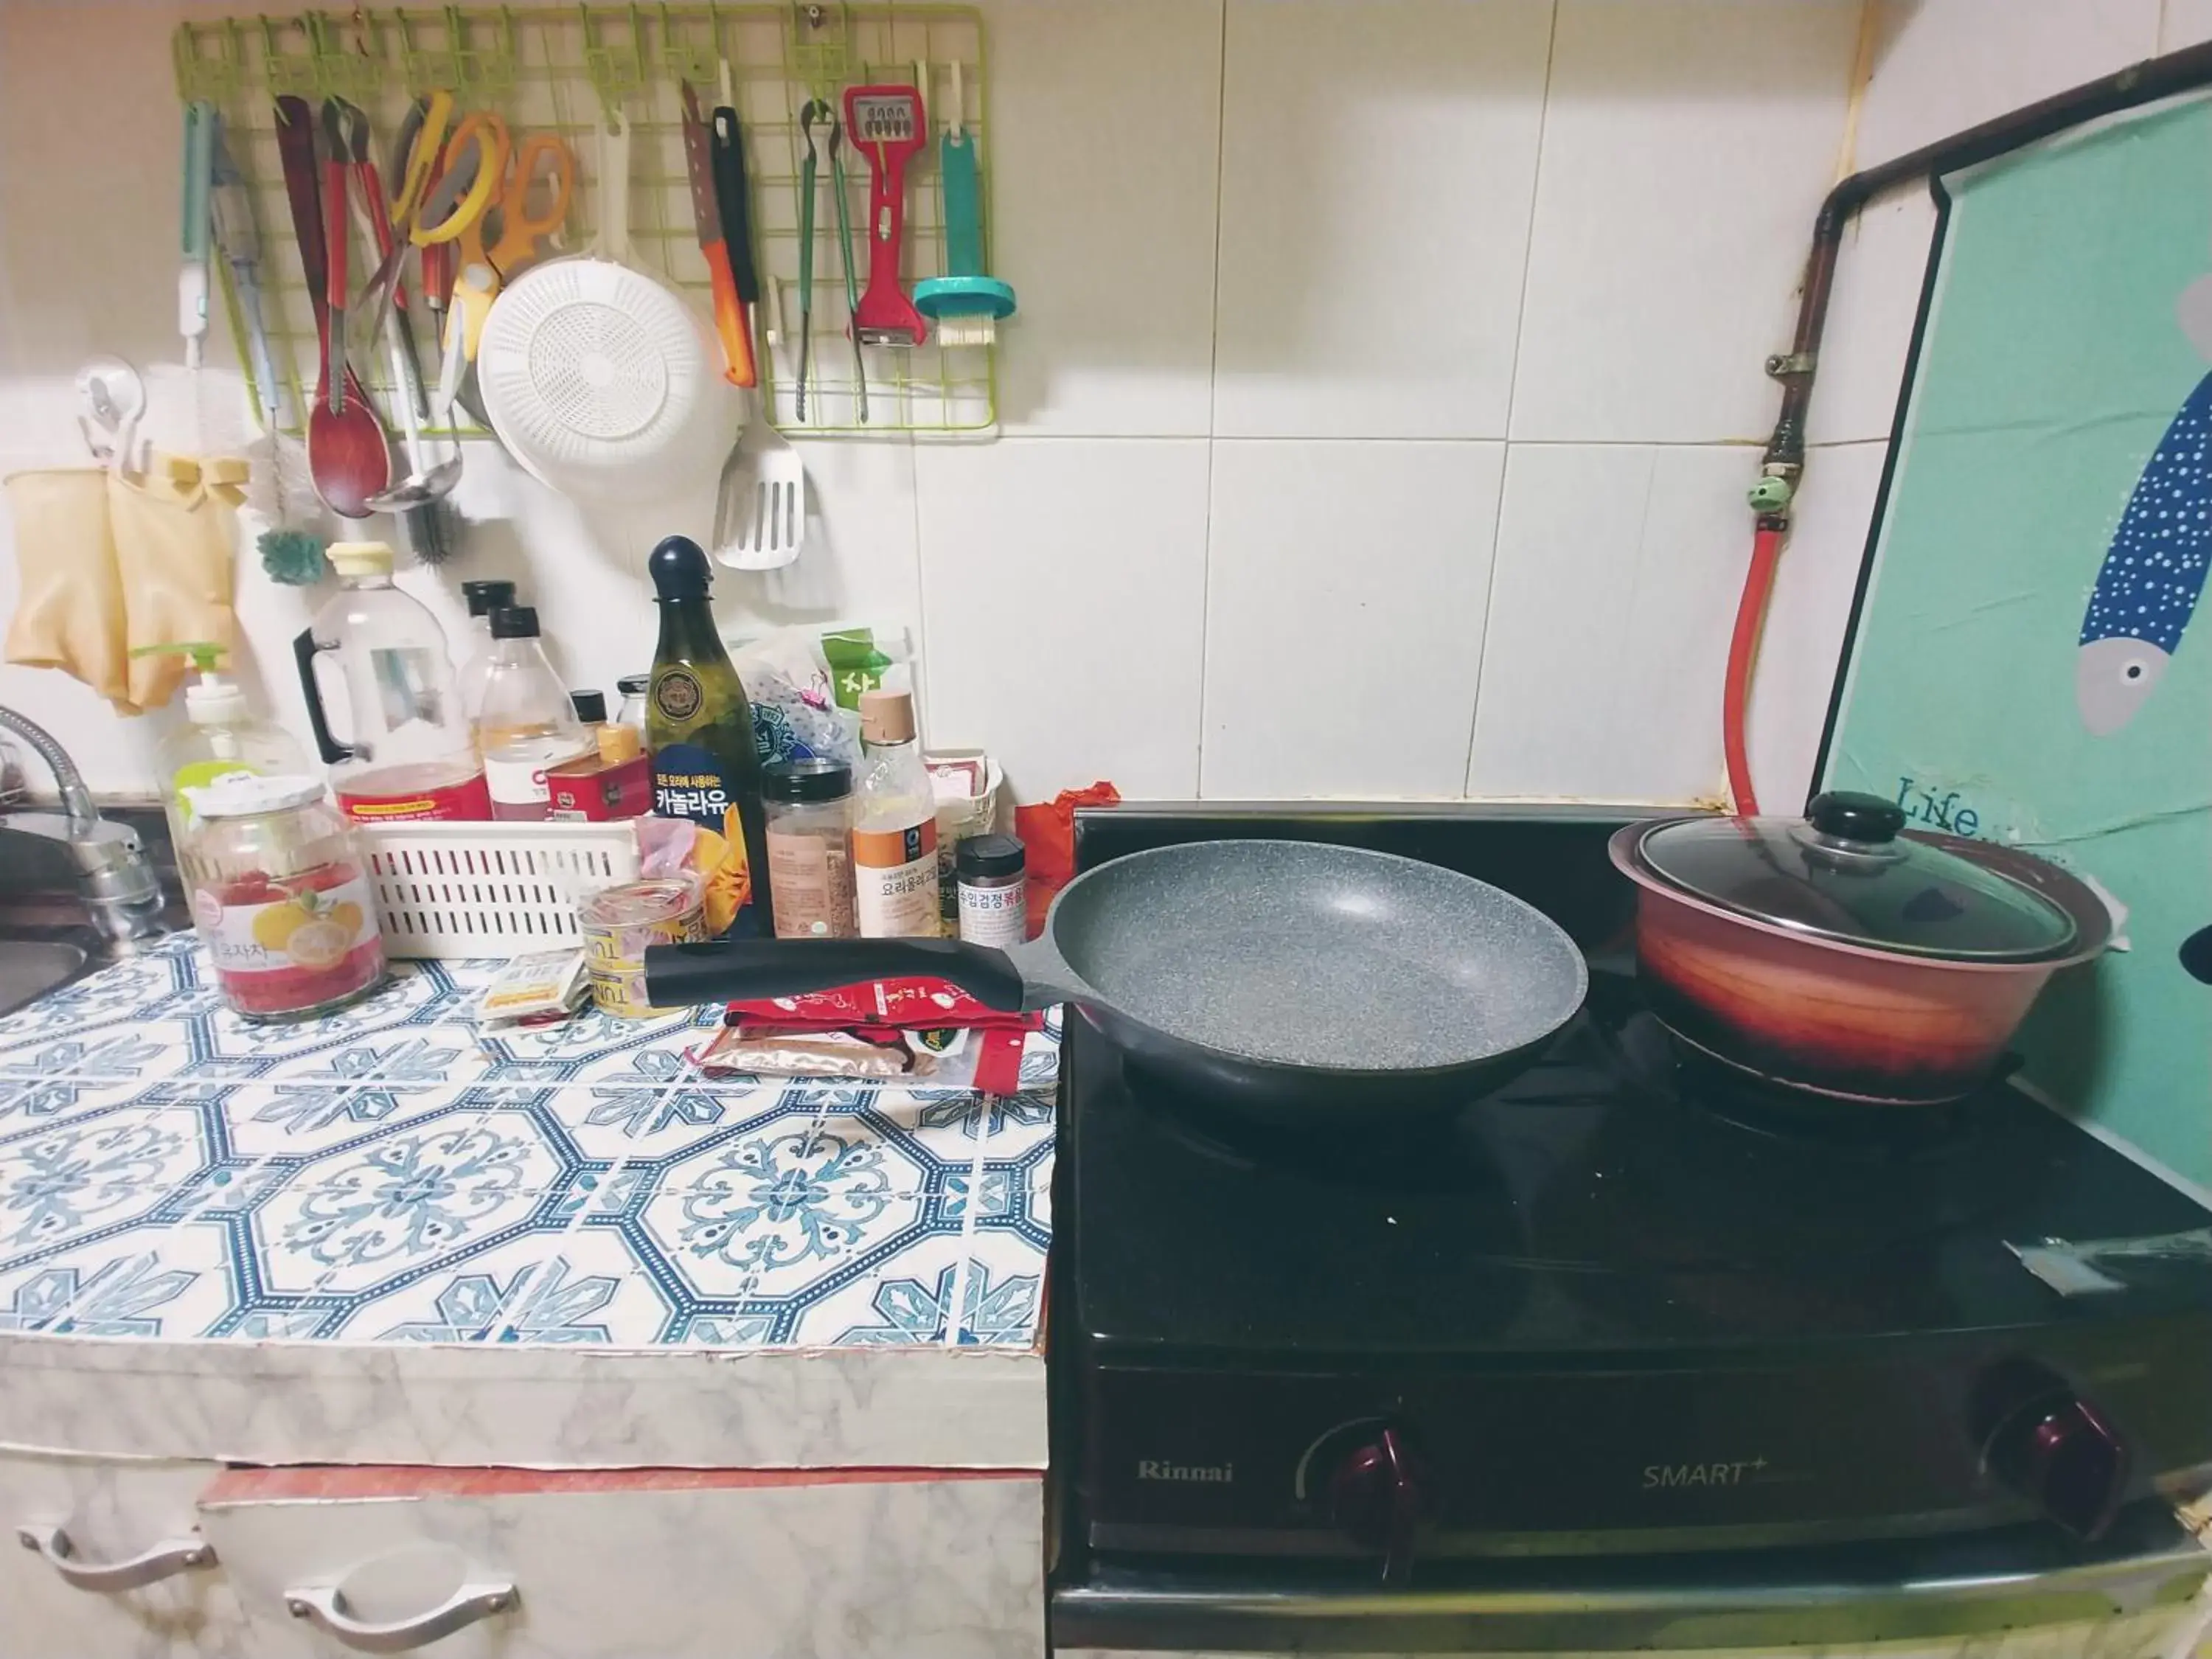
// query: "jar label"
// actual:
[[895, 882], [811, 879], [518, 779], [995, 916], [469, 801], [305, 925], [688, 782]]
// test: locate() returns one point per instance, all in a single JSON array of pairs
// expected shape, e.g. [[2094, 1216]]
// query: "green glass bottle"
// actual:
[[706, 766]]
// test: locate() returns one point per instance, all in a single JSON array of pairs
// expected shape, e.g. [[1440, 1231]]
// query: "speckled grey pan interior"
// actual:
[[1286, 953]]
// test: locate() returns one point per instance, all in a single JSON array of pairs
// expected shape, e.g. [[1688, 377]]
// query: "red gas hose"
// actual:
[[1743, 652]]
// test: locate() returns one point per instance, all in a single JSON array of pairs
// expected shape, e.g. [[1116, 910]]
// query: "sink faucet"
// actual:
[[115, 878]]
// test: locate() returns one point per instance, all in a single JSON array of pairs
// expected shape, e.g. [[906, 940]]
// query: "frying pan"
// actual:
[[1288, 981]]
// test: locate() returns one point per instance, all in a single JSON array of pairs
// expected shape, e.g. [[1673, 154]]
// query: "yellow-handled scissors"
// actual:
[[506, 175]]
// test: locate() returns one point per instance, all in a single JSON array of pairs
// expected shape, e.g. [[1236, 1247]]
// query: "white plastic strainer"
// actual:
[[592, 372]]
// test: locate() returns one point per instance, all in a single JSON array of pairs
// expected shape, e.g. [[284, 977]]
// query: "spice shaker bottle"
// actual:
[[810, 849], [994, 891], [633, 687]]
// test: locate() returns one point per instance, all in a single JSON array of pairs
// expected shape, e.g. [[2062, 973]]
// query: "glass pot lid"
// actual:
[[1844, 872]]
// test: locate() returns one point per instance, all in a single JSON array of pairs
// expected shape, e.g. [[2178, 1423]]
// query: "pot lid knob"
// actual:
[[1851, 815]]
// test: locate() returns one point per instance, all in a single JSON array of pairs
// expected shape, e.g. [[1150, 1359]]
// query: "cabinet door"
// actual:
[[70, 1530], [470, 1563]]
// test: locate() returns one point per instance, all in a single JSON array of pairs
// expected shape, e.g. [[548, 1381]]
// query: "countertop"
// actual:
[[374, 1237]]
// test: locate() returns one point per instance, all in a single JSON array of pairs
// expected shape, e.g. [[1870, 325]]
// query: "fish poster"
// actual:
[[2032, 663]]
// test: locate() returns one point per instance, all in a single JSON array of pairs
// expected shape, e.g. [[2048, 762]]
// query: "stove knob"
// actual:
[[1377, 1496], [2061, 1452]]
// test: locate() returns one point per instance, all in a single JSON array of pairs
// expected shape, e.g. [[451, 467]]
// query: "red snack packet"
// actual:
[[1047, 835], [889, 1006]]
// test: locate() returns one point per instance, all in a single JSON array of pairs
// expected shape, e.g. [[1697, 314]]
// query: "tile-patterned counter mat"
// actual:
[[316, 1226]]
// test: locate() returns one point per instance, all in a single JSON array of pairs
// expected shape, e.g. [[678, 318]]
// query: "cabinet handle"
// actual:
[[326, 1607], [165, 1560]]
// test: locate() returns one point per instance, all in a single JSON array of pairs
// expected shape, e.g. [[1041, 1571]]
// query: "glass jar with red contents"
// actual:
[[281, 897]]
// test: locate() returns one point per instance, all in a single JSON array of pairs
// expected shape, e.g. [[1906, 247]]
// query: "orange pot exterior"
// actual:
[[1891, 1030], [1839, 1020]]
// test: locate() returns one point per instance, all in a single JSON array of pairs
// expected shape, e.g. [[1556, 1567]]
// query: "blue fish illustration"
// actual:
[[2152, 575], [2196, 955]]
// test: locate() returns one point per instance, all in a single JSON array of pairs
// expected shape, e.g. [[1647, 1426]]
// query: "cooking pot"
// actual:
[[1840, 954]]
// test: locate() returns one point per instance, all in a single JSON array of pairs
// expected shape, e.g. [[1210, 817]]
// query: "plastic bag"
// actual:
[[1048, 837], [795, 713]]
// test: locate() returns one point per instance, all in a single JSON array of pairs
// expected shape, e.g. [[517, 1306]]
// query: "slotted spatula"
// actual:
[[760, 505]]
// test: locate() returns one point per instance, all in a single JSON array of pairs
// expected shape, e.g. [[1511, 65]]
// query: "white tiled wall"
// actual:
[[1388, 378]]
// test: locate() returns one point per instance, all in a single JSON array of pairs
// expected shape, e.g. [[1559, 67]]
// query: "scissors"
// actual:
[[504, 176]]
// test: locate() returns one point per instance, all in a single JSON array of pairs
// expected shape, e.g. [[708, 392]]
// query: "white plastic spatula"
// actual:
[[760, 507]]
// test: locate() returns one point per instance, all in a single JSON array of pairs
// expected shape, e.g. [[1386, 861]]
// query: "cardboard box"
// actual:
[[592, 792]]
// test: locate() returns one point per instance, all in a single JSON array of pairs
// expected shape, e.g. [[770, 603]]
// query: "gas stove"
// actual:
[[1623, 1307]]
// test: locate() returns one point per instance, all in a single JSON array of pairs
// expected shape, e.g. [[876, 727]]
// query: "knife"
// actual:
[[240, 243], [706, 209]]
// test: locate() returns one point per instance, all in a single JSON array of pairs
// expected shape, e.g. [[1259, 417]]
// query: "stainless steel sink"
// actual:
[[31, 968]]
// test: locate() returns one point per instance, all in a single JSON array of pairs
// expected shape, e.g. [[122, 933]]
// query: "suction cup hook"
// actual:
[[115, 394]]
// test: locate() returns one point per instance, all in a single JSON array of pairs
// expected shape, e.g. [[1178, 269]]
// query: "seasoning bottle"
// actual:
[[527, 724], [994, 906], [810, 846], [633, 687], [894, 826], [483, 598], [611, 779], [706, 766]]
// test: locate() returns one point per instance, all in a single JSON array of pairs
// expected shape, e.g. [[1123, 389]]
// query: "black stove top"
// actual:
[[1607, 1199], [1625, 1301]]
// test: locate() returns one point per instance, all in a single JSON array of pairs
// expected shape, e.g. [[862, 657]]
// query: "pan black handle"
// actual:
[[746, 970]]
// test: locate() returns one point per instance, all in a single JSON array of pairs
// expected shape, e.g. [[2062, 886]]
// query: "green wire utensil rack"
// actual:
[[560, 68]]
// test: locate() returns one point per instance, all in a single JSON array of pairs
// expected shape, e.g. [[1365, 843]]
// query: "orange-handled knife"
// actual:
[[729, 310]]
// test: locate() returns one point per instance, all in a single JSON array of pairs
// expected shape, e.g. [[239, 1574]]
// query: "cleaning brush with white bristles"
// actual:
[[966, 302]]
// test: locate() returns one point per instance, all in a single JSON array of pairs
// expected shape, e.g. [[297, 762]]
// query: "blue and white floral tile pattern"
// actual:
[[380, 1174]]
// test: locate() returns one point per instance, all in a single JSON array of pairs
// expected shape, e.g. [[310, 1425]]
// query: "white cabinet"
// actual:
[[88, 1520], [499, 1563]]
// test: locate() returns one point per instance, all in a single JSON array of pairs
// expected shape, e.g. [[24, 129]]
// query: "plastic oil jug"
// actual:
[[409, 753]]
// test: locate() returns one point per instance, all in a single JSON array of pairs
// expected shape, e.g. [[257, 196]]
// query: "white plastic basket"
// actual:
[[488, 888]]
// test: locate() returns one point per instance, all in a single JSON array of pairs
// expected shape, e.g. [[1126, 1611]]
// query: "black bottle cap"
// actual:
[[633, 685], [591, 706], [679, 569], [515, 622], [806, 780], [989, 855], [484, 597]]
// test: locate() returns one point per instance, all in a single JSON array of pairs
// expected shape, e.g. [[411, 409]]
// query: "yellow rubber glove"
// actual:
[[173, 529], [69, 606]]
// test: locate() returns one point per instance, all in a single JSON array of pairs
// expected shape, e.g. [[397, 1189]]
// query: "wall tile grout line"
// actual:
[[1512, 386], [1212, 397]]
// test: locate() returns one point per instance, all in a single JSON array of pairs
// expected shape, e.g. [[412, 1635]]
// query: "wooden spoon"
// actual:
[[349, 456]]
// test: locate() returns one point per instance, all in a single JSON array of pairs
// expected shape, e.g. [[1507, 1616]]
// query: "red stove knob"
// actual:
[[1377, 1496], [2061, 1452]]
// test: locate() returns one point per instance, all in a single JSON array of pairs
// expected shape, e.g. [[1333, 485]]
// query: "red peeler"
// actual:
[[886, 124]]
